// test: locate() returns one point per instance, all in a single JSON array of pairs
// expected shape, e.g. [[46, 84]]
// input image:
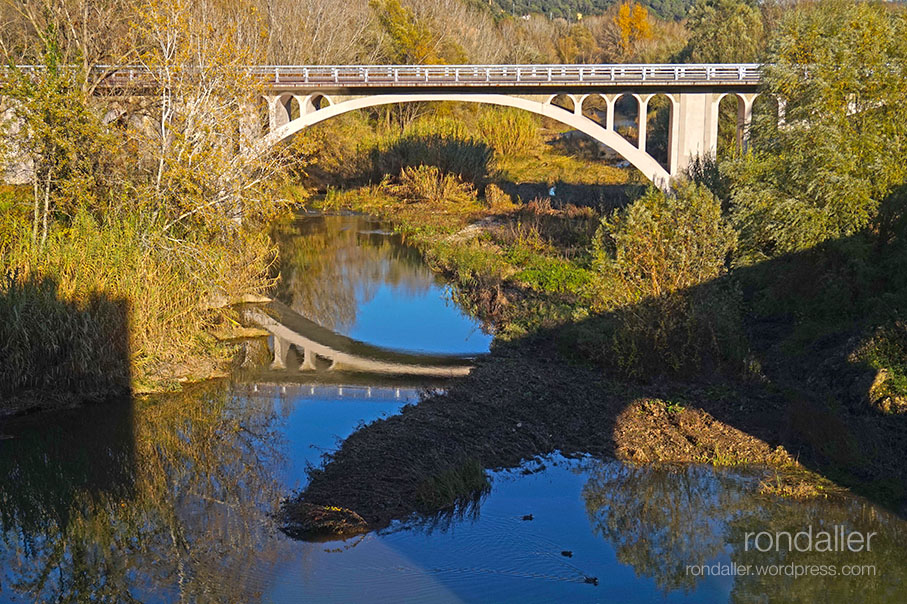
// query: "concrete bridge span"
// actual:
[[694, 92]]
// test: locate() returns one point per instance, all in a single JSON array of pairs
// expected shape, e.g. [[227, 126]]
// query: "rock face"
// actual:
[[317, 522], [15, 167]]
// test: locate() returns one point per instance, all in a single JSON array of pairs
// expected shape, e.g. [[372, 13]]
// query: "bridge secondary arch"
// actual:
[[641, 160]]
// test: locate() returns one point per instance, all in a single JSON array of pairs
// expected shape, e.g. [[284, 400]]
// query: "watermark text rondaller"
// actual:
[[838, 539]]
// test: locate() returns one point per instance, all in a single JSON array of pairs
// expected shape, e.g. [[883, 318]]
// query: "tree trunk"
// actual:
[[37, 211], [44, 220]]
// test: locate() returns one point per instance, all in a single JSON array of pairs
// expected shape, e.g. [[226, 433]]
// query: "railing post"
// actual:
[[277, 75], [305, 75]]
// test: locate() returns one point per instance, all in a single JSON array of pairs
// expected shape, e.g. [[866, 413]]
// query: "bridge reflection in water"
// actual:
[[324, 350]]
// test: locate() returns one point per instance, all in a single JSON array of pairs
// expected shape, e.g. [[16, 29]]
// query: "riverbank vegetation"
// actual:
[[145, 217], [154, 204]]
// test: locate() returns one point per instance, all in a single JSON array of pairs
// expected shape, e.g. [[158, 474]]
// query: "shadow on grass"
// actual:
[[473, 162], [806, 395], [58, 352], [603, 198]]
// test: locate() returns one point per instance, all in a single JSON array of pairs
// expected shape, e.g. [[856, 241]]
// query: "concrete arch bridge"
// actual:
[[693, 93], [300, 96]]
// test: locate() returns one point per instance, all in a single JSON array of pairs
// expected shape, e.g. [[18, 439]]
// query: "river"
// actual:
[[173, 498]]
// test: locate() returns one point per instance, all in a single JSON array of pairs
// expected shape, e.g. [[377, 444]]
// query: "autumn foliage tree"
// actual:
[[62, 136], [632, 21], [411, 40], [202, 160]]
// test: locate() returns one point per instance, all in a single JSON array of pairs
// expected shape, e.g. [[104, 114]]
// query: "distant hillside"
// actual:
[[568, 9]]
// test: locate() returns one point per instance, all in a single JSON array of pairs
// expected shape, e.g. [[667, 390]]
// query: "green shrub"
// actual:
[[658, 262], [887, 350], [663, 243]]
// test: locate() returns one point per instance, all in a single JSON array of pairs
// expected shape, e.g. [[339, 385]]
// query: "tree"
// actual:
[[577, 45], [632, 21], [411, 40], [64, 139], [203, 166], [840, 68], [725, 31], [87, 33]]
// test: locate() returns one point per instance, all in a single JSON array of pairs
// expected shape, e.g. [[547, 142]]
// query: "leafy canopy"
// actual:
[[724, 31], [840, 69]]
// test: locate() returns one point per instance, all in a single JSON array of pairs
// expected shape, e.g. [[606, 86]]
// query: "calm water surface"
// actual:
[[172, 499]]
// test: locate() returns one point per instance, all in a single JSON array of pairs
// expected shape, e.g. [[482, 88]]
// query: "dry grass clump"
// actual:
[[509, 131], [430, 184]]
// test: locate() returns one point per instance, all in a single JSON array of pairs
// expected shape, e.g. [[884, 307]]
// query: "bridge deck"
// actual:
[[370, 77]]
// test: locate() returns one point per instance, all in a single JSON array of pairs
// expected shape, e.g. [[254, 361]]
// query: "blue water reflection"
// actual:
[[348, 274]]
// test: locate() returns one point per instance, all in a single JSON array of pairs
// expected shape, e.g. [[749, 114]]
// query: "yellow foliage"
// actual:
[[633, 23]]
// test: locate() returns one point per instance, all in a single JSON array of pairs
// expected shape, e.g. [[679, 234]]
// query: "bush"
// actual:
[[469, 160], [428, 183], [663, 243], [658, 262], [705, 171]]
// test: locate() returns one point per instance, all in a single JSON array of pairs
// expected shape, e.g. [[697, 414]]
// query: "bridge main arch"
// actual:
[[641, 160]]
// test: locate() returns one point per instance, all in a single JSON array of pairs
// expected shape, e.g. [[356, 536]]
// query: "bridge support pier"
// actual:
[[281, 348], [694, 131], [308, 363]]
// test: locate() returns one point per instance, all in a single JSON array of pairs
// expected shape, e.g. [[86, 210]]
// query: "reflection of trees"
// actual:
[[329, 261], [889, 553], [185, 506], [661, 519]]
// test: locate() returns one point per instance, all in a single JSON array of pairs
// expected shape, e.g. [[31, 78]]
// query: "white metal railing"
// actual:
[[365, 76]]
